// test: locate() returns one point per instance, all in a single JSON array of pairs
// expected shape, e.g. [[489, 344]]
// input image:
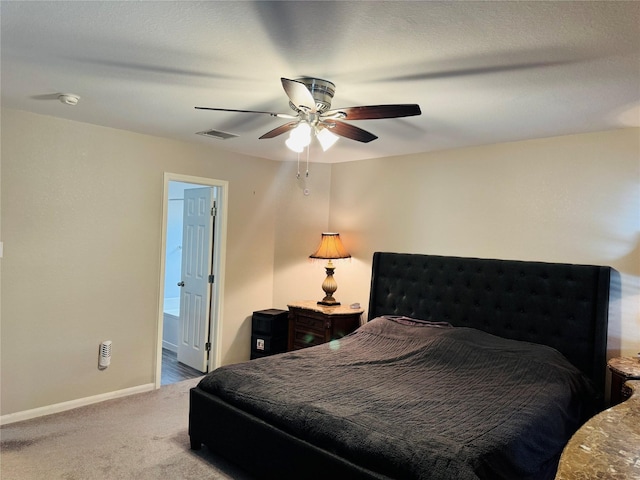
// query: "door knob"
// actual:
[[181, 284]]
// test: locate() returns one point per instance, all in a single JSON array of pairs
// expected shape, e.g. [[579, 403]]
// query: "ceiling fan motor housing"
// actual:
[[322, 92]]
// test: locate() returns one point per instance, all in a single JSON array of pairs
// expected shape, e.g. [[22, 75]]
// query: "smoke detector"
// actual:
[[69, 99]]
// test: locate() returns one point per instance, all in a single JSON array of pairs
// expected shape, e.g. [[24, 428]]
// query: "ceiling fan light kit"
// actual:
[[310, 98]]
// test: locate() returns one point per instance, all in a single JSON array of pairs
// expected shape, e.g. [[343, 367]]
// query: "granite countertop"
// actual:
[[608, 445], [625, 366]]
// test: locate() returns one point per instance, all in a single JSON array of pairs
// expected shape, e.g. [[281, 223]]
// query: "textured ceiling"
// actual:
[[482, 72]]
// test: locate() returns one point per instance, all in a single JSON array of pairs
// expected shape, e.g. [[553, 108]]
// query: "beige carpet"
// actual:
[[142, 436]]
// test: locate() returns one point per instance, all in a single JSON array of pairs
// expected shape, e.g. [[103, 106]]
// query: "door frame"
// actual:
[[219, 256]]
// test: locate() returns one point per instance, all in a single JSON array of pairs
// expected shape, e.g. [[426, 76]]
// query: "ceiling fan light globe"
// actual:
[[326, 139], [293, 145], [301, 135], [303, 130]]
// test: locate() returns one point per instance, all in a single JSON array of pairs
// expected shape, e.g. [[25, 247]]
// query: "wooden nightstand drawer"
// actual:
[[308, 331], [307, 323], [306, 339], [311, 324]]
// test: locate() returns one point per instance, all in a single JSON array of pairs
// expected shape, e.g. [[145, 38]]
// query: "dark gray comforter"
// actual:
[[410, 399]]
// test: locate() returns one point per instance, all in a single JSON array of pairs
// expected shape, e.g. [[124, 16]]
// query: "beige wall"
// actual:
[[81, 225], [303, 215], [573, 199]]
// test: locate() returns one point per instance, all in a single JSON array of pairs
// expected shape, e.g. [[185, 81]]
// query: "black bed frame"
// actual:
[[561, 305]]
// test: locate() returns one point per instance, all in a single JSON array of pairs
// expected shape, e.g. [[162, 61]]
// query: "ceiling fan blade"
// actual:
[[349, 131], [279, 115], [372, 112], [279, 130], [299, 94]]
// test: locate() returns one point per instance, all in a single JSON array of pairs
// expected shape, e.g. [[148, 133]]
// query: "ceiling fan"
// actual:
[[310, 99]]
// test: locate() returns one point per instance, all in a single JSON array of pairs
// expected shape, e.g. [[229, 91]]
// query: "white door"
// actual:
[[195, 295]]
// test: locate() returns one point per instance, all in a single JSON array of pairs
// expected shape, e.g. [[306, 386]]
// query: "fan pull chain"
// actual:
[[298, 174], [307, 173]]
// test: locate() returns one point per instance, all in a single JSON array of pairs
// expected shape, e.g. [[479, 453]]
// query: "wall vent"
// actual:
[[217, 134]]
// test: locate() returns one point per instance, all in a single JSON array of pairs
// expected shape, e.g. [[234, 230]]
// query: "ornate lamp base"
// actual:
[[328, 301], [329, 286]]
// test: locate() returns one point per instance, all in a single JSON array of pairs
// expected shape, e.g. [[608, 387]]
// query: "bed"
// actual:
[[468, 368]]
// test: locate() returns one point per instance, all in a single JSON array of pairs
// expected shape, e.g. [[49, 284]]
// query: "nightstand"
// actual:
[[622, 369], [312, 324]]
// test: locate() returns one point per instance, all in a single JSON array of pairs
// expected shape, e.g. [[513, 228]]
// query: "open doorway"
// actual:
[[194, 230]]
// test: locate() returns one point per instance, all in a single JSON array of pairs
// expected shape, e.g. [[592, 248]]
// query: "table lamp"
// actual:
[[330, 248]]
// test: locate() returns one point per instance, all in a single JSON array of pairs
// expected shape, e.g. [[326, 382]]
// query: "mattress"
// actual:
[[412, 399]]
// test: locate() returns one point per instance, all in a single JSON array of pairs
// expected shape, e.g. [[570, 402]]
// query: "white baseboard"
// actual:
[[80, 402], [169, 346]]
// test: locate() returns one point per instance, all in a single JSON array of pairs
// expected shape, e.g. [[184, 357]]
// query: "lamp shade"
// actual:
[[330, 248]]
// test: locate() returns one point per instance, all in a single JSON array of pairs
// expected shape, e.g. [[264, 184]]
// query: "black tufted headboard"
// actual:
[[561, 305]]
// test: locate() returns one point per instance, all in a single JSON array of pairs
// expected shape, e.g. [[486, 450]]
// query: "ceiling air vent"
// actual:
[[217, 134]]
